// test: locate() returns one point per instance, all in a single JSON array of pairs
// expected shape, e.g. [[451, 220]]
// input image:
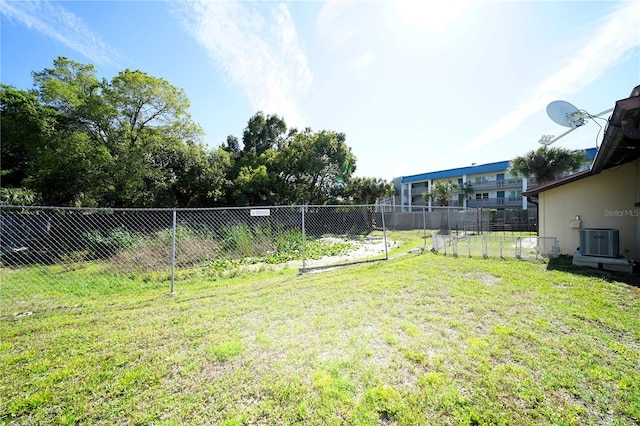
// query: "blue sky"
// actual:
[[416, 86]]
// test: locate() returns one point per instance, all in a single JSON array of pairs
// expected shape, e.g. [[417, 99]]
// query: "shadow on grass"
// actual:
[[565, 264]]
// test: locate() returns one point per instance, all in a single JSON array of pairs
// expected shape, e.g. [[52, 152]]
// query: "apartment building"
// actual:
[[489, 186]]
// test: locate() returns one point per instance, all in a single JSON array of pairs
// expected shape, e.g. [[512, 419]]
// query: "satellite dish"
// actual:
[[565, 114]]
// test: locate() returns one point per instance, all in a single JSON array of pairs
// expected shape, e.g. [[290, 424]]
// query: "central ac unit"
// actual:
[[600, 242]]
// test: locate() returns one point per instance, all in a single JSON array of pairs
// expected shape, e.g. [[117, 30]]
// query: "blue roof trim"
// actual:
[[481, 168], [499, 166]]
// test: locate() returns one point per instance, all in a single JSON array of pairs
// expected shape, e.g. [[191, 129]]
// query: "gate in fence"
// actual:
[[473, 245], [50, 257]]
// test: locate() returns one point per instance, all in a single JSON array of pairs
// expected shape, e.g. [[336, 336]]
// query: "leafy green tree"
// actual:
[[134, 133], [131, 142], [315, 166], [40, 150], [25, 127], [200, 177], [252, 171], [254, 186], [262, 133], [73, 89], [547, 163], [277, 165], [70, 170], [140, 103], [232, 146]]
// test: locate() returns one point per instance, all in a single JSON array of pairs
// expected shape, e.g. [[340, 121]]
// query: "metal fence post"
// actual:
[[384, 233], [424, 227], [302, 208], [173, 252], [485, 251]]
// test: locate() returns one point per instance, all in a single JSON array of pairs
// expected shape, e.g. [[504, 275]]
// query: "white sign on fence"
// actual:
[[260, 212]]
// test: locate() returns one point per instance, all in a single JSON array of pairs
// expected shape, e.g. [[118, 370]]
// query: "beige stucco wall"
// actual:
[[605, 200]]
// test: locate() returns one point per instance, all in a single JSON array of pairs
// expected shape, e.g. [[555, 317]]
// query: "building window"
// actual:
[[514, 194]]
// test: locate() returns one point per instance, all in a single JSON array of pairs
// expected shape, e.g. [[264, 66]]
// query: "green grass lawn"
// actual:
[[418, 339]]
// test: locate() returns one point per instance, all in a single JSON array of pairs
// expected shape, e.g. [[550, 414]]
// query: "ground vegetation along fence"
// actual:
[[50, 257]]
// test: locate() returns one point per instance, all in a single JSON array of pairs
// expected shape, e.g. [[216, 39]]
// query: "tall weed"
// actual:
[[102, 246]]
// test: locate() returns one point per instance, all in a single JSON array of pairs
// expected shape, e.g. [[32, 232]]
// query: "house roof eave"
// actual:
[[533, 192], [620, 143]]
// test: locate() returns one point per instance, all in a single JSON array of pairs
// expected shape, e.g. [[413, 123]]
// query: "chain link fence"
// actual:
[[53, 257], [460, 219], [522, 247]]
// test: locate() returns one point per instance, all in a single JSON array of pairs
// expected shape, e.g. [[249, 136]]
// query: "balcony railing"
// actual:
[[485, 185], [473, 203], [495, 202], [498, 183]]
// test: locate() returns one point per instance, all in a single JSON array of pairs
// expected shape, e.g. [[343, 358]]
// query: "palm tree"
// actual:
[[545, 164], [17, 196], [465, 189], [442, 192], [364, 190]]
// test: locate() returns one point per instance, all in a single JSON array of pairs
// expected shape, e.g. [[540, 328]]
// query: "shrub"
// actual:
[[102, 246]]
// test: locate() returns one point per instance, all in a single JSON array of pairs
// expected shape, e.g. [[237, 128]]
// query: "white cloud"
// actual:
[[361, 63], [602, 49], [337, 22], [56, 22], [258, 47], [326, 20], [433, 17]]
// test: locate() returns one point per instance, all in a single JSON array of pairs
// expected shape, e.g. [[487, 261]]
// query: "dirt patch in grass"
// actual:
[[483, 277], [367, 248]]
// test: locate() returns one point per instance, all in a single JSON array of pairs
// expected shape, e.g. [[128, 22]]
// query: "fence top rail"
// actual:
[[181, 209], [88, 209]]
